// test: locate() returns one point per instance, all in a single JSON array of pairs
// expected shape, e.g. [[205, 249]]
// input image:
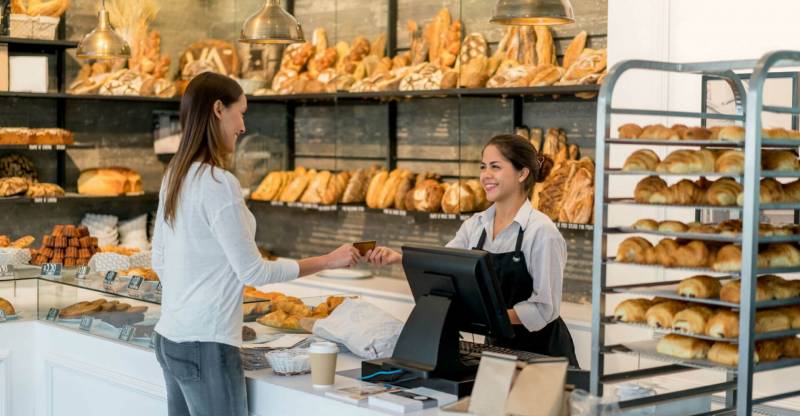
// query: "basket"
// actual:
[[289, 362], [33, 27]]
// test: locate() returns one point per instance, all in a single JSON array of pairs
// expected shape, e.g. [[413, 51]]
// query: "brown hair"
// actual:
[[201, 138], [521, 153]]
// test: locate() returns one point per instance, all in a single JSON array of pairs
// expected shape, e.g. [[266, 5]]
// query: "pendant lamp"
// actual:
[[533, 12], [103, 42], [271, 25]]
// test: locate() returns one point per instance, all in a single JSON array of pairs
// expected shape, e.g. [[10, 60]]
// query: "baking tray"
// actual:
[[631, 201], [664, 331], [791, 143], [706, 270], [705, 236], [739, 177]]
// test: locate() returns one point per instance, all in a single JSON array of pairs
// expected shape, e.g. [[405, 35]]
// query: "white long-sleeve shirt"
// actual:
[[205, 260], [545, 253]]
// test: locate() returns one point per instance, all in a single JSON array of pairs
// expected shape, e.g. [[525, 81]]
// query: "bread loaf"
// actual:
[[405, 187], [481, 203], [574, 49], [374, 189], [730, 133], [386, 194], [672, 227], [703, 287], [458, 198], [336, 188], [545, 48], [316, 188], [695, 133], [577, 206], [270, 186], [693, 254], [791, 191], [428, 196], [686, 348], [779, 255], [643, 160], [728, 259], [658, 132], [109, 182], [790, 347], [356, 189], [771, 320]]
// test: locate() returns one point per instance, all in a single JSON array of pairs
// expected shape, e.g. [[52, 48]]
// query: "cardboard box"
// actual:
[[28, 73]]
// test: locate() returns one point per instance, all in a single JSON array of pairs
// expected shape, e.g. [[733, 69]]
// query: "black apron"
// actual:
[[517, 286]]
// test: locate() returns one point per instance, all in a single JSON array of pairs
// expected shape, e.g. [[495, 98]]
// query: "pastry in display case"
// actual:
[[17, 299], [66, 244]]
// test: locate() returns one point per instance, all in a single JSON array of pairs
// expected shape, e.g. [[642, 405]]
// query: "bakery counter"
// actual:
[[58, 371]]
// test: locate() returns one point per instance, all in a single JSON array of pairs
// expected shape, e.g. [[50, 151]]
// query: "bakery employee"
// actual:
[[204, 250], [528, 252]]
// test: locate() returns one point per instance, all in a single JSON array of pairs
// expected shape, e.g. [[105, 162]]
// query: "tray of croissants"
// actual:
[[705, 326], [697, 134], [288, 313], [725, 231], [710, 256]]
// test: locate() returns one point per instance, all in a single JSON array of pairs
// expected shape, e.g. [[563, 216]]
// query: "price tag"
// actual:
[[6, 270], [2, 315], [397, 212], [108, 280], [126, 334], [277, 203], [52, 314], [45, 200], [440, 216], [83, 271], [86, 323], [295, 205], [51, 270], [327, 208], [353, 208], [135, 283]]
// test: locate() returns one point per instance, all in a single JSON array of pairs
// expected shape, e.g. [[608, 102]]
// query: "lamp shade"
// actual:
[[271, 25], [103, 42], [533, 12]]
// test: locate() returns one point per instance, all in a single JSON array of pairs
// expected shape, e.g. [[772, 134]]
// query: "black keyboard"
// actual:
[[474, 350]]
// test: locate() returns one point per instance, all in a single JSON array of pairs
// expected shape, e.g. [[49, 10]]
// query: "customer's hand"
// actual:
[[382, 256], [343, 257]]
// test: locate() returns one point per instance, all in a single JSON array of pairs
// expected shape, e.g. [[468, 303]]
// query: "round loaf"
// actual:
[[428, 196], [111, 181], [658, 132], [672, 227]]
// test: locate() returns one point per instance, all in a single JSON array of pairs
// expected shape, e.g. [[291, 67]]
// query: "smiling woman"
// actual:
[[528, 252]]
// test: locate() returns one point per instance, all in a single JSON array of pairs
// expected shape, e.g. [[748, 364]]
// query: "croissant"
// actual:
[[731, 291], [642, 160], [703, 287], [730, 161], [793, 313], [672, 227], [629, 131], [780, 160], [779, 255], [723, 192], [730, 133], [645, 224], [688, 161], [658, 132], [696, 133], [647, 187], [632, 310], [692, 319], [791, 191], [698, 228], [790, 347], [728, 259], [724, 324], [635, 250], [662, 315], [694, 254], [771, 320], [684, 192], [665, 252], [771, 191]]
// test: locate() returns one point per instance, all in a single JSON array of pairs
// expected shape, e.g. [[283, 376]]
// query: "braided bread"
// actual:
[[642, 160]]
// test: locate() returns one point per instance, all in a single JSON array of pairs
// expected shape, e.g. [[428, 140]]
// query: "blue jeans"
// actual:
[[203, 378]]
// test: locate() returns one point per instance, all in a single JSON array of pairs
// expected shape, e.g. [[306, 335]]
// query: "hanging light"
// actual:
[[271, 25], [103, 42], [533, 12]]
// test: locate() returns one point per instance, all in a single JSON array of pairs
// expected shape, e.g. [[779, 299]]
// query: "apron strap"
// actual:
[[518, 249], [481, 241]]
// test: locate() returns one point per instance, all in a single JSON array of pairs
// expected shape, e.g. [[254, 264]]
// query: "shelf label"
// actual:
[[45, 200], [327, 208], [6, 270], [51, 270], [43, 147], [396, 212], [126, 334], [2, 315], [83, 272], [277, 204], [353, 208], [52, 314], [86, 323], [135, 283], [108, 280], [294, 205], [441, 216]]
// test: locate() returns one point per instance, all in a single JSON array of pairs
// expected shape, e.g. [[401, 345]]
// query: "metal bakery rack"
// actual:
[[749, 106]]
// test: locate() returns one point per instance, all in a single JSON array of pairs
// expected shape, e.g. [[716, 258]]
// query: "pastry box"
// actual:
[[33, 27]]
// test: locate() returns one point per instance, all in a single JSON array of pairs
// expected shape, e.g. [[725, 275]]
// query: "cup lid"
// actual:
[[323, 347]]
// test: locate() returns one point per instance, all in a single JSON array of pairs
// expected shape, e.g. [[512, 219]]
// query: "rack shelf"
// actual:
[[668, 292], [767, 143], [704, 237], [75, 198], [46, 147], [783, 206], [37, 44]]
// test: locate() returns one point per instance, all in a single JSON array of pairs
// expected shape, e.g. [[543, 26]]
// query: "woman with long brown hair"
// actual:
[[528, 253], [204, 250]]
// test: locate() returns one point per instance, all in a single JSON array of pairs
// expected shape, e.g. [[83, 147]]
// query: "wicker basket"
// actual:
[[289, 362]]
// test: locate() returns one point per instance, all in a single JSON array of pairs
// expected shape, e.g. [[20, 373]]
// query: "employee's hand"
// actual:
[[382, 256], [343, 257]]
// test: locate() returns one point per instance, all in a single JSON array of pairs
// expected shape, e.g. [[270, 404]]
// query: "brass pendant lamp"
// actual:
[[103, 42], [271, 25], [533, 12]]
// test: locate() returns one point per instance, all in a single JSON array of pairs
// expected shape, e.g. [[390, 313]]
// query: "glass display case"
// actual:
[[123, 308]]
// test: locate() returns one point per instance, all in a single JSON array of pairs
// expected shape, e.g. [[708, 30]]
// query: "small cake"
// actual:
[[60, 242], [71, 252], [74, 242], [48, 241], [58, 230], [70, 262], [83, 231], [70, 231]]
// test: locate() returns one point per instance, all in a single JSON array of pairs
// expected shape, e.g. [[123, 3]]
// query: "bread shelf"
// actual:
[[610, 320], [667, 291], [783, 206], [37, 44], [705, 270], [647, 349], [764, 174], [46, 147], [766, 143], [704, 237], [72, 197]]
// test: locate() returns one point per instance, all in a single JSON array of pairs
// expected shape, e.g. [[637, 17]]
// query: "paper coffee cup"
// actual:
[[323, 363]]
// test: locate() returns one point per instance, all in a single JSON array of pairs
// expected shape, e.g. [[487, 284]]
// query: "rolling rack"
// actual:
[[738, 386]]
